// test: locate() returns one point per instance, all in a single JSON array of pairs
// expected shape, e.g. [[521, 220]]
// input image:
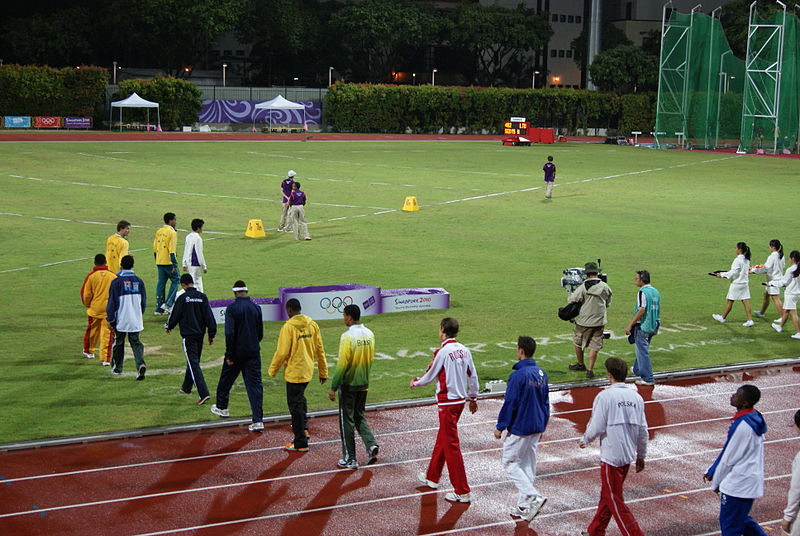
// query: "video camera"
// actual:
[[574, 277]]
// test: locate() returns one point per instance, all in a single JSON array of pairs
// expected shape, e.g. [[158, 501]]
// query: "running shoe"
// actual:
[[347, 464], [219, 411], [718, 318], [456, 498], [373, 455], [425, 482], [142, 370], [256, 427], [291, 448]]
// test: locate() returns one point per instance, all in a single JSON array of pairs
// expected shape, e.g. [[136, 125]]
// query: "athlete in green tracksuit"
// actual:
[[351, 379]]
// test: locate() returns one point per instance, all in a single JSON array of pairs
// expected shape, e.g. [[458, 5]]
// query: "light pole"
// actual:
[[433, 76], [114, 75], [533, 79], [414, 79], [330, 76], [224, 66]]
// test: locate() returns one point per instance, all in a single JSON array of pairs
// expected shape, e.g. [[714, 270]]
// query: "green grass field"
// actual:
[[495, 245]]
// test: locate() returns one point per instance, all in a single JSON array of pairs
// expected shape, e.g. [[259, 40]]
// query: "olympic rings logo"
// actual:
[[335, 304]]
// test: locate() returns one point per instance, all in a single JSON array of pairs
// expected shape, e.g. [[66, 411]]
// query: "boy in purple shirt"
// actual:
[[286, 192], [549, 177], [297, 212]]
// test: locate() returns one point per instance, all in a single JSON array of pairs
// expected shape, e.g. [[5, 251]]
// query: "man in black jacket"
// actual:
[[192, 312], [244, 330]]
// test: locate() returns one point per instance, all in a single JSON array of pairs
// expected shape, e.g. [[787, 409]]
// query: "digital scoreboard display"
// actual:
[[516, 128]]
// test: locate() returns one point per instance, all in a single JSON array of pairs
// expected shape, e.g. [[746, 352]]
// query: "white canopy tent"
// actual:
[[134, 101], [279, 103]]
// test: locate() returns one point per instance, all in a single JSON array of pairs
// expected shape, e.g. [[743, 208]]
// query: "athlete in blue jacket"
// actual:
[[524, 415]]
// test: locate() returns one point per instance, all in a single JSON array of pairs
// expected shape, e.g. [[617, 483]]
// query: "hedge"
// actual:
[[179, 100], [437, 109], [39, 90]]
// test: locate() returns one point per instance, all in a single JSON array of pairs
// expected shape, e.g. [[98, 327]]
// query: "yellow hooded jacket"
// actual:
[[299, 344], [94, 291]]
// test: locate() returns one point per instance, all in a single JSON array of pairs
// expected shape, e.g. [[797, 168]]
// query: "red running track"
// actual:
[[231, 481]]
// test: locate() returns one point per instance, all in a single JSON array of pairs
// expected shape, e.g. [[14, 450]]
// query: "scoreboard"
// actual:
[[516, 128]]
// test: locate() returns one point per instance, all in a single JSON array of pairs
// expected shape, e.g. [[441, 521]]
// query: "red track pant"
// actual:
[[98, 332], [612, 504], [448, 450]]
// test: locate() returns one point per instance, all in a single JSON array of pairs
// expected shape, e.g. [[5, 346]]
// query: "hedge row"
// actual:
[[40, 90], [432, 109], [179, 100]]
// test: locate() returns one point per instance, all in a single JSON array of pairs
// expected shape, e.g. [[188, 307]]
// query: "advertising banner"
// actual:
[[77, 122], [41, 121], [397, 300], [328, 302], [271, 310], [17, 121]]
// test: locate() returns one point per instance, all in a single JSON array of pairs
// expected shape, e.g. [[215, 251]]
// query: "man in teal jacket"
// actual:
[[644, 324]]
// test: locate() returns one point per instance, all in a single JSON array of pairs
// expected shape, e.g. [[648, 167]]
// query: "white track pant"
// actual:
[[519, 460]]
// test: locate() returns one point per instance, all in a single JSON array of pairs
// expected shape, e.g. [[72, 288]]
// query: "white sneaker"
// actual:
[[256, 427], [777, 320], [535, 507], [456, 498], [87, 355], [777, 327], [516, 511], [758, 314], [425, 482], [796, 335], [718, 318], [347, 464], [749, 324], [220, 412]]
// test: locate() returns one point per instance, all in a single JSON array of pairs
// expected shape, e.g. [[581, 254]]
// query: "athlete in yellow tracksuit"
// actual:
[[299, 344], [94, 294], [165, 247], [117, 246]]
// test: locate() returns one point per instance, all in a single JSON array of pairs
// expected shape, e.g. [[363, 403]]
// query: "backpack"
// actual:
[[569, 311]]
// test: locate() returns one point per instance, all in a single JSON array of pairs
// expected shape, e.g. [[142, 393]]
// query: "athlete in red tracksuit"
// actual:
[[456, 380]]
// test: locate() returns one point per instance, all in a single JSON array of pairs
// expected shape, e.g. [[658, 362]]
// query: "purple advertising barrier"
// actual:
[[328, 302], [397, 300], [77, 122], [271, 308], [244, 111]]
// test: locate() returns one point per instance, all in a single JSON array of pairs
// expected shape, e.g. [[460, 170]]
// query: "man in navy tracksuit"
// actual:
[[525, 412], [738, 472], [244, 330], [127, 300], [192, 312]]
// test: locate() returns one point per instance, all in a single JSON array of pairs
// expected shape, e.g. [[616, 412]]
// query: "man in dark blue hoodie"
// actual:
[[524, 415], [193, 314], [738, 472]]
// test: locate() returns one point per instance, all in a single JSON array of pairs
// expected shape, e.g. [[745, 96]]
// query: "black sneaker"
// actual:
[[373, 455], [142, 370], [589, 374], [577, 366]]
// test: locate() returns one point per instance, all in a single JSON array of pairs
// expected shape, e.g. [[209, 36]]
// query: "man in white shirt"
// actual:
[[194, 261], [618, 420], [456, 380], [738, 472]]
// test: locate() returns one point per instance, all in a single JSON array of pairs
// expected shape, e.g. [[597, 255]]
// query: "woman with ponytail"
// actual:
[[773, 267], [739, 290], [791, 295]]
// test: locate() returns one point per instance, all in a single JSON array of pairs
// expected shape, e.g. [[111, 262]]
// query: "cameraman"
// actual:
[[595, 295]]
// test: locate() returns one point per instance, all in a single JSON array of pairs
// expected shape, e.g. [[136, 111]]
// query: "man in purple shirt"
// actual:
[[297, 212], [549, 177], [286, 192]]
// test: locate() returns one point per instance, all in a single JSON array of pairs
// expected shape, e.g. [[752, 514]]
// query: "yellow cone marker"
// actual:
[[255, 229], [410, 204]]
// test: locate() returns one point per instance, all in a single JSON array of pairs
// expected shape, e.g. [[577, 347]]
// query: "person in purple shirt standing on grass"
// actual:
[[286, 192], [297, 212], [549, 177]]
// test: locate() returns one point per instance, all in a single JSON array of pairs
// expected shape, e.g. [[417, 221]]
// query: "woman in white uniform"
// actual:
[[773, 267], [791, 295], [739, 274]]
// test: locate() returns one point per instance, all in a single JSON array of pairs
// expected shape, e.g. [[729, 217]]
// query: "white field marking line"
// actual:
[[169, 192], [762, 523], [577, 181], [56, 263], [387, 434], [577, 511], [334, 471]]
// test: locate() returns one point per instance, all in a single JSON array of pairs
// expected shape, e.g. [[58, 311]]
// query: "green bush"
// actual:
[[41, 90], [429, 109], [179, 100]]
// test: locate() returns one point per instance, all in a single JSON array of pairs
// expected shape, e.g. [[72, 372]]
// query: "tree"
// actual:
[[735, 21], [58, 38], [497, 37], [378, 36], [624, 69], [611, 36]]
